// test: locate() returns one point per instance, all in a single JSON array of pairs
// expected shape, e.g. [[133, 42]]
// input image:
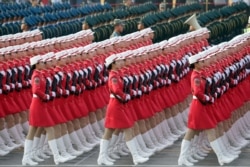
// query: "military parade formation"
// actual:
[[131, 81]]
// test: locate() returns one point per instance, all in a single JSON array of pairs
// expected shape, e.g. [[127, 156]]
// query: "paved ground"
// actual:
[[167, 157]]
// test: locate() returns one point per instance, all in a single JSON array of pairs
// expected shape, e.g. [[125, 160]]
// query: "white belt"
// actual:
[[194, 97], [112, 96], [35, 96]]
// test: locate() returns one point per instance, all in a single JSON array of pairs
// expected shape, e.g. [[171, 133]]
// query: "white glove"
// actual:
[[134, 93], [19, 85], [139, 92], [12, 86], [218, 90], [172, 76], [164, 82], [157, 84], [235, 82], [144, 89], [53, 94], [215, 95], [47, 97], [169, 82], [207, 97], [1, 91], [150, 87], [224, 88], [128, 97], [73, 88], [106, 79], [67, 92], [99, 81], [29, 81], [60, 91], [7, 87], [212, 100], [90, 84]]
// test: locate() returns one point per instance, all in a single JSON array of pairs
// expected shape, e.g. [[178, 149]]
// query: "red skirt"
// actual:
[[39, 115], [116, 116], [19, 99], [57, 105], [141, 111], [81, 105], [9, 104], [87, 94], [200, 117], [98, 98], [71, 100], [2, 111], [66, 109], [130, 110], [55, 115]]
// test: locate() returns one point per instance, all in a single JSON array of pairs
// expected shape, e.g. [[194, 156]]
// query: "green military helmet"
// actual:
[[104, 33], [96, 35]]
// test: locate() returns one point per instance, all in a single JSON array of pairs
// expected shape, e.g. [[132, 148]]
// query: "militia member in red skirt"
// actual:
[[116, 115], [39, 115], [200, 117]]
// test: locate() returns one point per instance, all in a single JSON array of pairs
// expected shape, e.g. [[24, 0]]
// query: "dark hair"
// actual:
[[192, 66], [110, 66], [33, 67]]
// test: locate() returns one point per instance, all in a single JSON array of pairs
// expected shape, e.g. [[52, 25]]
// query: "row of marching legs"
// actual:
[[226, 140], [13, 128], [146, 137], [63, 142]]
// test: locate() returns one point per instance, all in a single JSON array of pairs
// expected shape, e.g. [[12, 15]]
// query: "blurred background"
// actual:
[[118, 3]]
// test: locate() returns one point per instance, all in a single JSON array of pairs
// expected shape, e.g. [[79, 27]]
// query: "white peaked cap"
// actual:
[[121, 56], [146, 31], [44, 57], [223, 45], [36, 32], [80, 50], [211, 52], [195, 58], [89, 32], [2, 51], [49, 56], [109, 60], [114, 40], [9, 49], [58, 55], [105, 43], [134, 52], [34, 60], [173, 41], [16, 48], [87, 48]]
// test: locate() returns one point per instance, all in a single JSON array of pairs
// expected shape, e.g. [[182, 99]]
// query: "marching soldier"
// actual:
[[118, 28], [39, 109]]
